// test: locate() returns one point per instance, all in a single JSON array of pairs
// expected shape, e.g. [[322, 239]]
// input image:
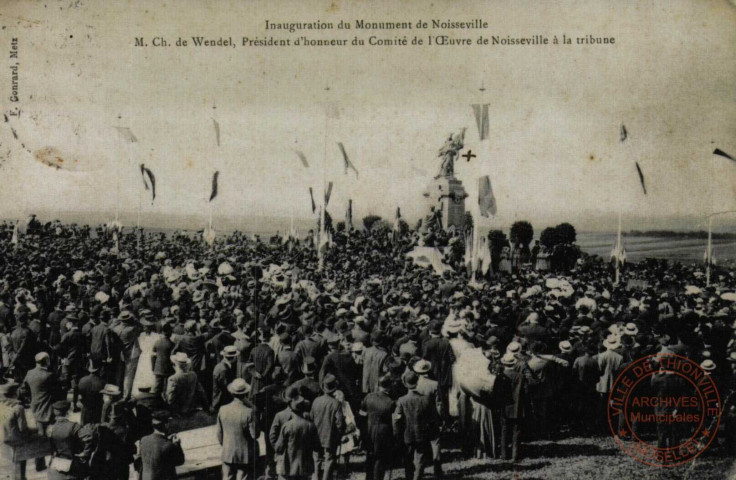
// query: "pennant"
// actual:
[[214, 185], [349, 216], [311, 197], [146, 172], [396, 223], [126, 134], [217, 131], [723, 154], [486, 200], [328, 193], [348, 163], [481, 119], [14, 240], [303, 158], [624, 133], [709, 257], [641, 178]]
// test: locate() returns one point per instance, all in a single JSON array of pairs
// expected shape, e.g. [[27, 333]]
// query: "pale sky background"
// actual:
[[555, 111]]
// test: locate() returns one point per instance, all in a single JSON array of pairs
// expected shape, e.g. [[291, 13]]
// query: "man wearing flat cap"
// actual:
[[236, 432], [160, 453]]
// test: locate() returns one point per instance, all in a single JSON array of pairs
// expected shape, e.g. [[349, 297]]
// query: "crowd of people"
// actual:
[[300, 362]]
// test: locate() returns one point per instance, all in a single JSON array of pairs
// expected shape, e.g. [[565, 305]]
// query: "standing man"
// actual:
[[328, 418], [162, 368], [514, 408], [264, 360], [13, 426], [416, 417], [89, 393], [72, 350], [184, 393], [378, 407], [43, 388], [160, 454], [223, 374], [374, 360], [66, 444], [236, 432], [127, 330], [296, 443]]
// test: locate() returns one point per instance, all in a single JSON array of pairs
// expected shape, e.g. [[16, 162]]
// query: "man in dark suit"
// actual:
[[160, 454], [193, 345], [115, 447], [514, 408], [23, 345], [146, 403], [416, 417], [43, 388], [236, 432], [89, 393], [378, 408], [340, 363], [66, 444], [264, 361], [161, 353], [184, 394], [437, 351], [223, 374], [72, 350], [307, 386], [297, 441], [280, 419], [327, 415], [127, 330]]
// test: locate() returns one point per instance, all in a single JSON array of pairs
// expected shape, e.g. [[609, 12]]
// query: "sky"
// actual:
[[553, 153]]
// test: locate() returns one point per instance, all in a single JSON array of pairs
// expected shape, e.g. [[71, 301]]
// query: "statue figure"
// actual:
[[449, 152]]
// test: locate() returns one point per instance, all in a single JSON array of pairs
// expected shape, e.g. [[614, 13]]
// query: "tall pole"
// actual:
[[618, 249], [709, 251]]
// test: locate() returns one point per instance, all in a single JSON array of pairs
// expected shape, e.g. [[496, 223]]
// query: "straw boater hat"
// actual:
[[508, 360], [708, 365], [181, 359], [513, 348], [111, 390], [229, 351], [422, 366], [565, 346], [612, 342], [631, 329], [238, 387]]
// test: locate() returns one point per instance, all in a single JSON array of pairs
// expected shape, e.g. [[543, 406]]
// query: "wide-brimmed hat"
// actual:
[[612, 342], [229, 351], [181, 358], [41, 356], [111, 390], [329, 384], [513, 348], [708, 365], [631, 329], [238, 387], [422, 366], [410, 380], [126, 316], [508, 360], [565, 346], [298, 404]]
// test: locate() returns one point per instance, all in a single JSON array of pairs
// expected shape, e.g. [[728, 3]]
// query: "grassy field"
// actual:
[[579, 458]]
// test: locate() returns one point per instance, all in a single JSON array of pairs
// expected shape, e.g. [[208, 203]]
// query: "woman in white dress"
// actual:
[[144, 373]]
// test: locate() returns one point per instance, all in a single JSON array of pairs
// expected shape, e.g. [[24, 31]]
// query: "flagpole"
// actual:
[[709, 250], [618, 248]]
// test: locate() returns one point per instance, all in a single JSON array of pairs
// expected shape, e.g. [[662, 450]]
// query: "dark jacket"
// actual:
[[296, 443], [327, 415], [223, 374], [159, 457], [236, 432], [89, 392], [193, 346], [379, 408], [44, 389], [66, 444], [417, 416], [438, 351], [162, 364]]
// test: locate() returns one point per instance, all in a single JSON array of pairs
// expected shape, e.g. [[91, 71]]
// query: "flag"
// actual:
[[624, 133], [328, 193], [468, 258], [146, 172], [214, 185], [349, 216], [302, 157], [486, 200], [481, 119], [641, 178], [723, 154], [398, 218], [126, 134], [217, 131], [311, 197], [709, 257], [619, 254], [485, 255], [348, 163], [14, 240]]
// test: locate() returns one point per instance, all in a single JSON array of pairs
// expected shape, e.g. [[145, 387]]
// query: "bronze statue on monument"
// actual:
[[449, 152]]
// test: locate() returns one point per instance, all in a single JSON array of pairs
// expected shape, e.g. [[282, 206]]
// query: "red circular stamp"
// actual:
[[664, 410]]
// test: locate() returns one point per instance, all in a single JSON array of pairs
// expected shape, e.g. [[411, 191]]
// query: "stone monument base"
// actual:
[[447, 195]]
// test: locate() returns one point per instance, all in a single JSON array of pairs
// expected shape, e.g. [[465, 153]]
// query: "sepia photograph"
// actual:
[[368, 240]]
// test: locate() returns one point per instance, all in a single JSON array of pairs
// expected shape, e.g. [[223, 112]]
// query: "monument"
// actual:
[[445, 192]]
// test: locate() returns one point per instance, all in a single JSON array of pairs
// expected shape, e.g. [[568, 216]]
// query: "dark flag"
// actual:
[[349, 216], [146, 172], [723, 154], [214, 185], [641, 178], [302, 157], [217, 131], [348, 163], [481, 119], [624, 133], [486, 199], [311, 197], [328, 193]]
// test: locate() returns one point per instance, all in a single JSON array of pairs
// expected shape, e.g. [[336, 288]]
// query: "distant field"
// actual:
[[639, 248]]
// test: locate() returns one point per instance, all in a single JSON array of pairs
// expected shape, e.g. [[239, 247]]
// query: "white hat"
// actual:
[[708, 365], [508, 360], [611, 342], [565, 346], [513, 348], [631, 329]]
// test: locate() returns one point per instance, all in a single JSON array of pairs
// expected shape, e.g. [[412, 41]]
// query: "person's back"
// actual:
[[236, 432], [184, 393], [327, 416], [159, 457], [296, 443], [419, 417]]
